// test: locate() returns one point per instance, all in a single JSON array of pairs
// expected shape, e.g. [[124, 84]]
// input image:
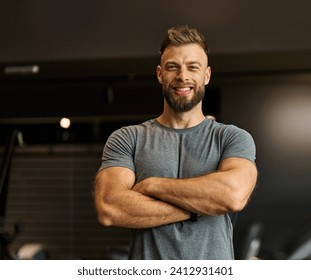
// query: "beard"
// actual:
[[181, 104]]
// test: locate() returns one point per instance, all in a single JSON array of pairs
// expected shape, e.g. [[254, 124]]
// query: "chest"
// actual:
[[176, 155]]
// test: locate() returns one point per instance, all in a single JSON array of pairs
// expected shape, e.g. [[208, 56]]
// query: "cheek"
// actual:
[[166, 80], [202, 80]]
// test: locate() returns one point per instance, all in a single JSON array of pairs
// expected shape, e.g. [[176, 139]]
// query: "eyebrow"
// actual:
[[195, 62], [188, 63]]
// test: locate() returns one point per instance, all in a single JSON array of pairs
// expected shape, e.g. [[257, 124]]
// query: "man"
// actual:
[[177, 179]]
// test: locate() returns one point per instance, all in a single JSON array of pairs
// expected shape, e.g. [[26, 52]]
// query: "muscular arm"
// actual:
[[118, 205], [227, 190]]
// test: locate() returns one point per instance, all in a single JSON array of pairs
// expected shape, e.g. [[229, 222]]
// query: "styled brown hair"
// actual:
[[183, 35]]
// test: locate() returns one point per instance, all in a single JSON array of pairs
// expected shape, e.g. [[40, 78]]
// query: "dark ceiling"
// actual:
[[63, 30]]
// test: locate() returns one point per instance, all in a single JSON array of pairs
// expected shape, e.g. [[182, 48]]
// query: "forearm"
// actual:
[[139, 211], [226, 190], [194, 194], [117, 205]]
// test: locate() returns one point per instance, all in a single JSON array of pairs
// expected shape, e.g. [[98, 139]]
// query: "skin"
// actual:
[[182, 67], [120, 201]]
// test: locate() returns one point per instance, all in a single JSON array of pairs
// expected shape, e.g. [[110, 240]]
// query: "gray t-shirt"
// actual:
[[153, 150]]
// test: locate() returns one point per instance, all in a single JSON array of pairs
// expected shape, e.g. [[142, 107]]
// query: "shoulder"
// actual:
[[236, 142], [229, 130], [130, 132], [136, 128]]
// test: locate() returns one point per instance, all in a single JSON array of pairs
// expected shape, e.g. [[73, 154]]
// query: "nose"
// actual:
[[182, 74]]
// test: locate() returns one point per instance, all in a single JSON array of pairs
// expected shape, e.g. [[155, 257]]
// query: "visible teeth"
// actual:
[[183, 89]]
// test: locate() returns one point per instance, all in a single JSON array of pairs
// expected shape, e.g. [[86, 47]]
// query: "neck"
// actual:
[[175, 120]]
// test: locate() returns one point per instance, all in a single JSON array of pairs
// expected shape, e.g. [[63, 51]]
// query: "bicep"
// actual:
[[241, 175], [112, 180], [239, 164]]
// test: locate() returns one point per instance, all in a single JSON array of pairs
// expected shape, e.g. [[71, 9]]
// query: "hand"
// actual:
[[142, 186]]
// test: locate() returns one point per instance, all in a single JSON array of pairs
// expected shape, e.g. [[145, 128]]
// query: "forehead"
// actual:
[[184, 54]]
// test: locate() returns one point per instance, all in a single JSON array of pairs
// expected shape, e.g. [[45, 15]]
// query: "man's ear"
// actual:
[[208, 75], [159, 74]]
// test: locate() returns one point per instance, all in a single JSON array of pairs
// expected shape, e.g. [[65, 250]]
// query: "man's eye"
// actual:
[[192, 67], [171, 67]]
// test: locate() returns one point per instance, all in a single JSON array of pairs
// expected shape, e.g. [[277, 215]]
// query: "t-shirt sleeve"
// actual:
[[119, 150], [238, 143]]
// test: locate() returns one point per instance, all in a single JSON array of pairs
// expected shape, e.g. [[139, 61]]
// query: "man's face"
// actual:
[[183, 73]]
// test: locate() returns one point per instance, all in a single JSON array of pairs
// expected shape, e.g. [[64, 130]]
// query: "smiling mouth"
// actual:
[[182, 90]]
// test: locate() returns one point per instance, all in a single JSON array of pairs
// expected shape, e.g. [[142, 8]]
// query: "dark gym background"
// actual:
[[94, 62]]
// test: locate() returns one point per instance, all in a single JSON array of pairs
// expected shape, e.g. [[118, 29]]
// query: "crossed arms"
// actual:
[[157, 201]]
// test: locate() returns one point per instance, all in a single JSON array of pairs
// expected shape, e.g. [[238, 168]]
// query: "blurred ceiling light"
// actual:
[[65, 123]]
